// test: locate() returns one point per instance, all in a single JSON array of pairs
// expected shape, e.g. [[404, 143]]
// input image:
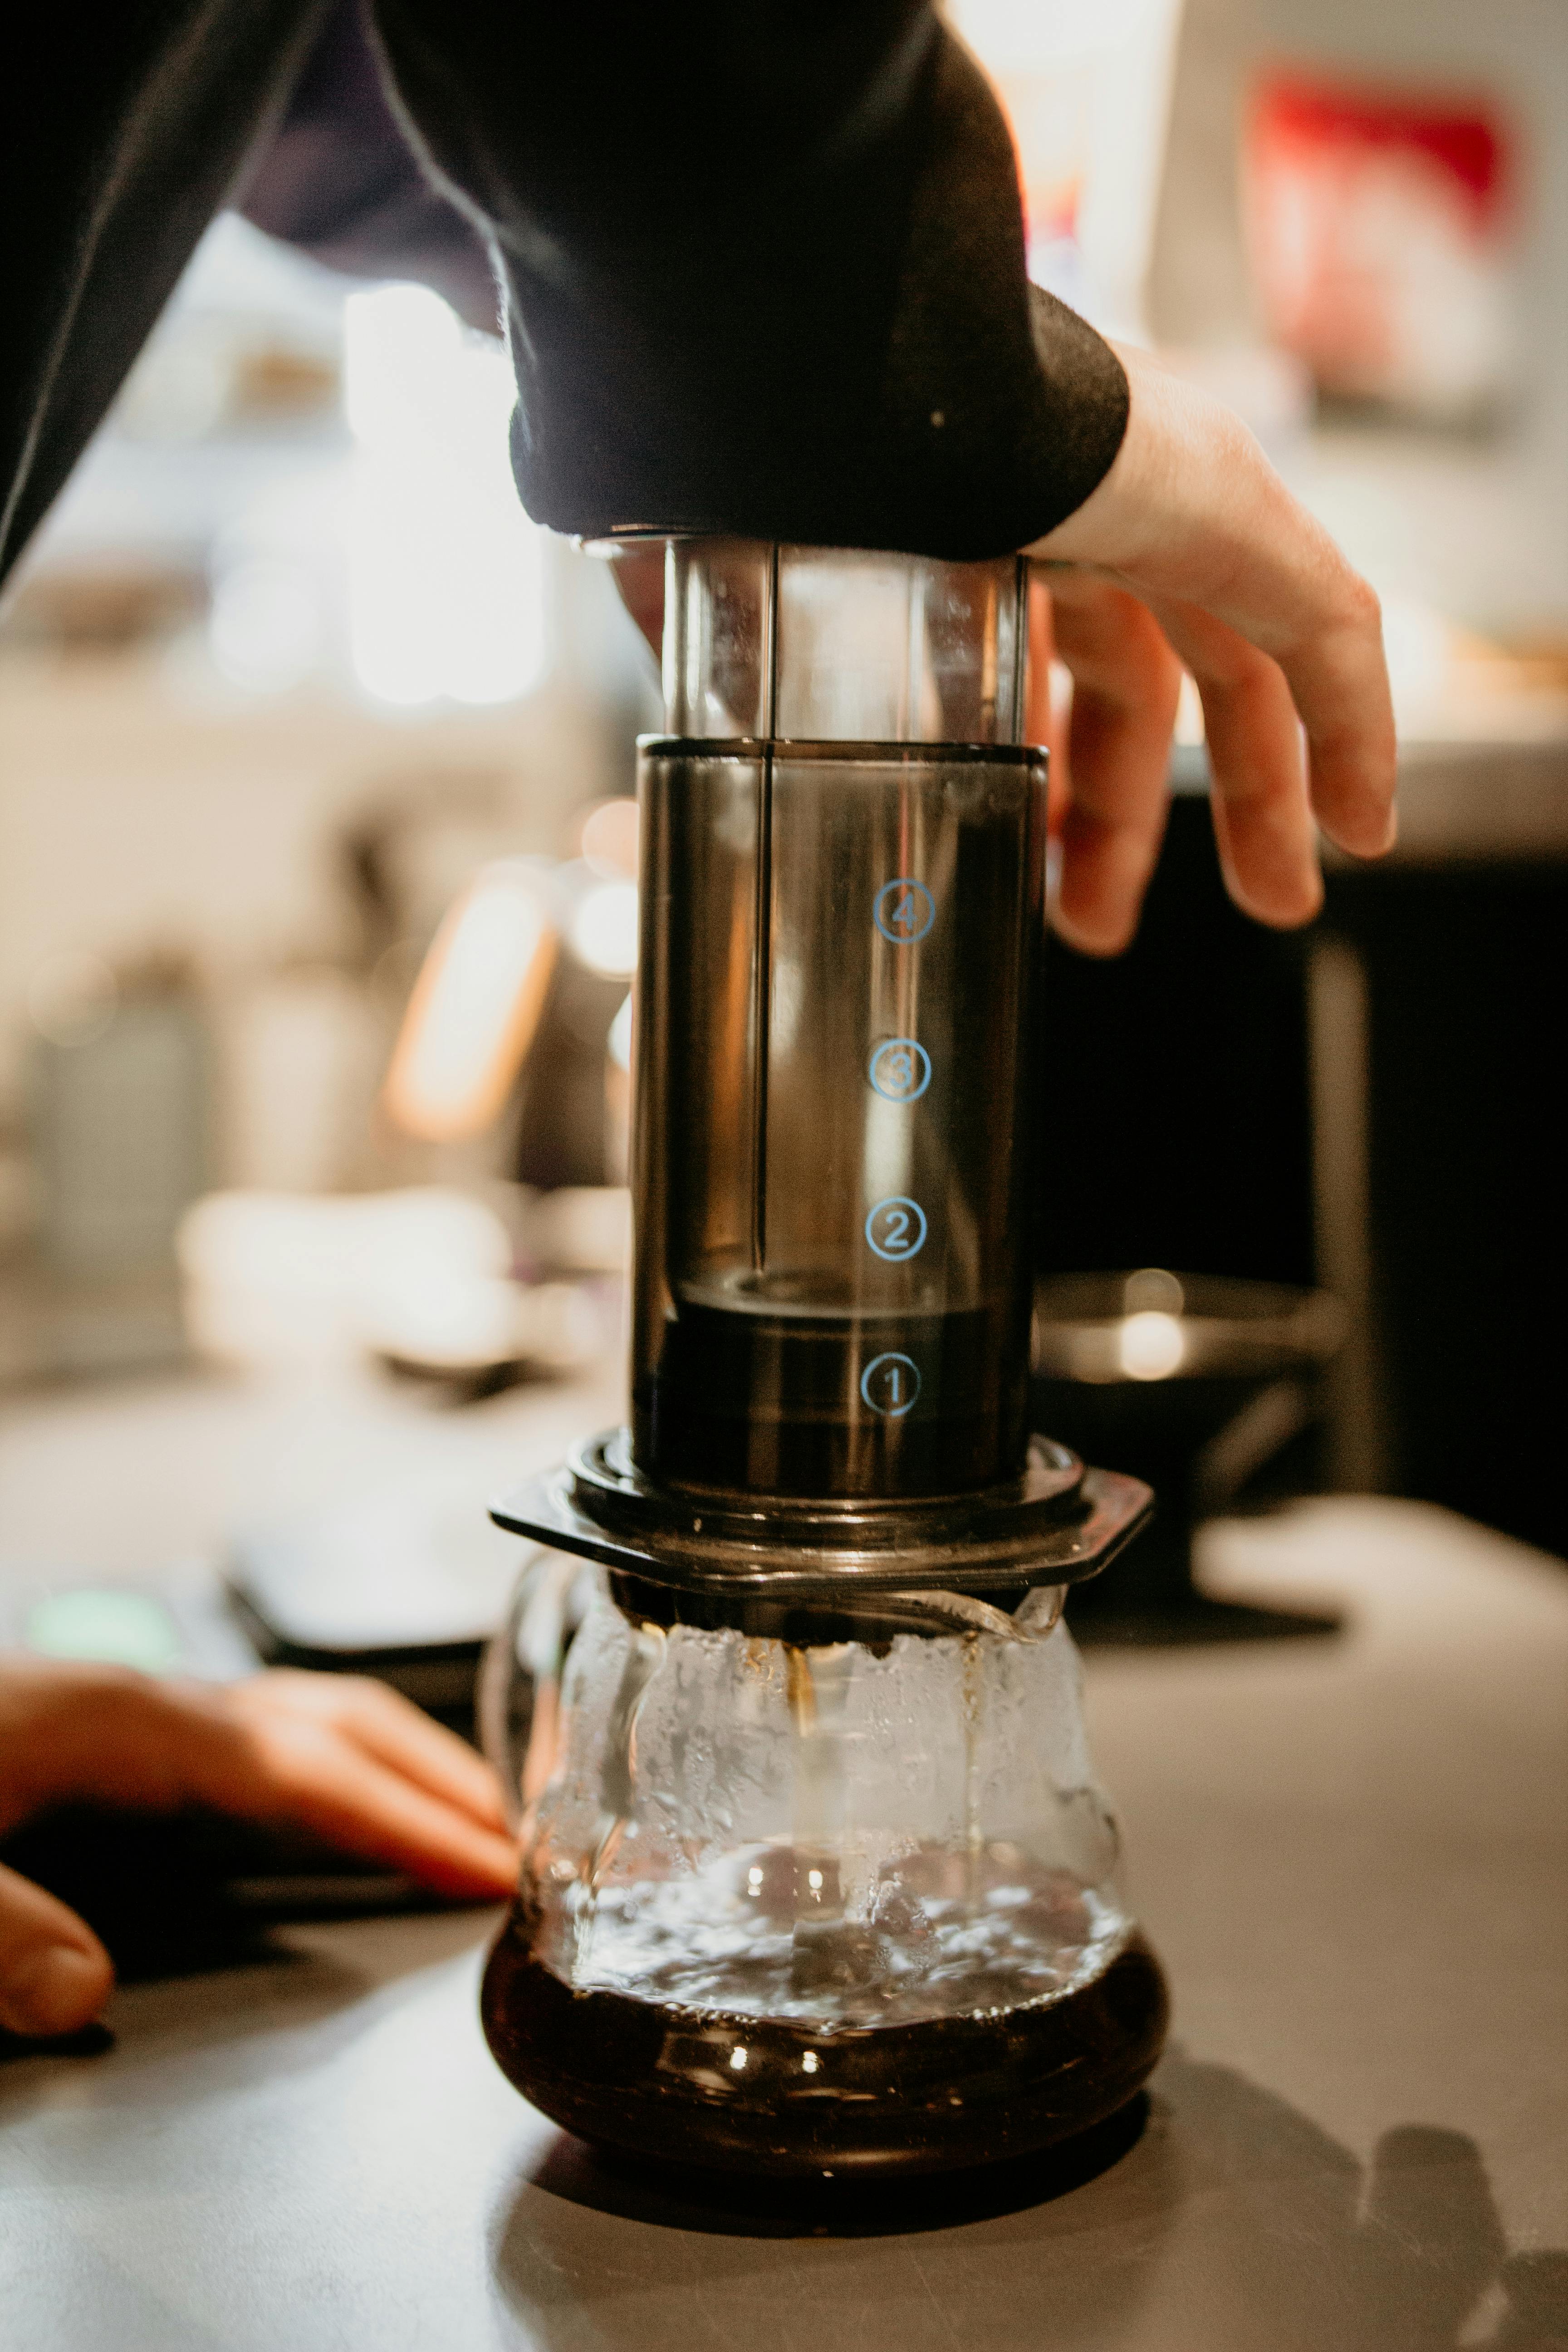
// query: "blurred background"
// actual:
[[317, 916]]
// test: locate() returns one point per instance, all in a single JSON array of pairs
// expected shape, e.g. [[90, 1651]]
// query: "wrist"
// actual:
[[1172, 432]]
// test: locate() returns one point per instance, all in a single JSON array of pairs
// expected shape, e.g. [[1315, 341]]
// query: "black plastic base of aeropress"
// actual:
[[770, 1557]]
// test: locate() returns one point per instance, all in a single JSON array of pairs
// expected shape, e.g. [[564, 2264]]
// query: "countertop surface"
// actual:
[[1349, 1851]]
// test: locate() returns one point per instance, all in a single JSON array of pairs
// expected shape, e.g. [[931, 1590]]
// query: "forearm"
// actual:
[[341, 183], [766, 272], [765, 267], [121, 141]]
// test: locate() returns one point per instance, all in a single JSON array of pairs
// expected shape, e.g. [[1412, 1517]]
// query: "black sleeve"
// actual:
[[764, 261], [766, 270], [340, 180], [122, 132]]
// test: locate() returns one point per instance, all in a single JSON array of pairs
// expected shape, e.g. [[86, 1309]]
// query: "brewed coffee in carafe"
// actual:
[[816, 1873]]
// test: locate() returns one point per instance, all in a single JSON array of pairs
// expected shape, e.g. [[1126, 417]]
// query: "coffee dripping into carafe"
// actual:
[[816, 1874]]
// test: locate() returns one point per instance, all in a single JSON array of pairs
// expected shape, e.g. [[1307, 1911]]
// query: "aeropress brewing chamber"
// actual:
[[817, 1875]]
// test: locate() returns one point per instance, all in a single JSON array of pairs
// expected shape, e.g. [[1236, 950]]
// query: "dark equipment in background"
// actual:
[[1181, 1068], [1465, 989], [1197, 1382], [560, 1117], [1187, 1063]]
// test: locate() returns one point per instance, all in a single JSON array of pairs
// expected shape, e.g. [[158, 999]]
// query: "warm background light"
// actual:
[[609, 839], [604, 930], [1151, 1345], [475, 1007], [446, 571]]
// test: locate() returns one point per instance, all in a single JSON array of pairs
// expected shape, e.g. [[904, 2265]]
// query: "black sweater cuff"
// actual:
[[768, 281]]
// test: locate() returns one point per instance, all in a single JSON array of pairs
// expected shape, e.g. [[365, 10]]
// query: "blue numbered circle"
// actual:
[[889, 1385], [899, 1070], [896, 1228], [905, 910]]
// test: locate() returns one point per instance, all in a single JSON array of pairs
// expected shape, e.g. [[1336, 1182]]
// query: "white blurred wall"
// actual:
[[369, 641], [1477, 530]]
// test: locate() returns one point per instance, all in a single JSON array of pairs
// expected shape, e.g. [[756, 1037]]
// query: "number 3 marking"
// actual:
[[899, 1070]]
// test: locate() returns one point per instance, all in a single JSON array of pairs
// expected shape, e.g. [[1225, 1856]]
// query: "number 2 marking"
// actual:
[[896, 1228]]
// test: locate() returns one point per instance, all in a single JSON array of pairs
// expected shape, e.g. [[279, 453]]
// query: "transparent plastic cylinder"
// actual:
[[836, 1060]]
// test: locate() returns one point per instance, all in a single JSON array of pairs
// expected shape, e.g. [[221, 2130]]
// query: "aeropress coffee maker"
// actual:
[[816, 1874]]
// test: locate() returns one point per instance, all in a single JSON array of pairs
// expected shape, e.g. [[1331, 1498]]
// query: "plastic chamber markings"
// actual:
[[896, 1228], [890, 1384], [904, 910], [899, 1069]]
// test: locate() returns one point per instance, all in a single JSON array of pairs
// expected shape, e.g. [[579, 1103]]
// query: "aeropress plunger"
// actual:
[[816, 1873]]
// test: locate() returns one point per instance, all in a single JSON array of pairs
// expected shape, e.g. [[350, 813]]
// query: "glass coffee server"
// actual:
[[817, 1875]]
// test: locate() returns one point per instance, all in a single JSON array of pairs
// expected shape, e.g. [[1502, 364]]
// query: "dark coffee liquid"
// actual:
[[814, 1403], [785, 2095]]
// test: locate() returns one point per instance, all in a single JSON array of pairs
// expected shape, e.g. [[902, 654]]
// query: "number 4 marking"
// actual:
[[904, 910]]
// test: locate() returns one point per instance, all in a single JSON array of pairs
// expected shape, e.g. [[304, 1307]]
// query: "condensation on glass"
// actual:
[[834, 1159], [850, 1906]]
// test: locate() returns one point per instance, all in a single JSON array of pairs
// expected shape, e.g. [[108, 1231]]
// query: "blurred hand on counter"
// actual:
[[343, 1758]]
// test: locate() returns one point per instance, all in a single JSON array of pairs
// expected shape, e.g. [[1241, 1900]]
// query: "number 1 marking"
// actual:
[[889, 1385]]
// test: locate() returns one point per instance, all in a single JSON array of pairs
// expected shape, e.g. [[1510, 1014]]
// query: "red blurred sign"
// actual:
[[1380, 229]]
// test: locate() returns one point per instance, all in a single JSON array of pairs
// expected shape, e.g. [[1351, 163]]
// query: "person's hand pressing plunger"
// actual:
[[1190, 554], [1193, 554], [345, 1759]]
